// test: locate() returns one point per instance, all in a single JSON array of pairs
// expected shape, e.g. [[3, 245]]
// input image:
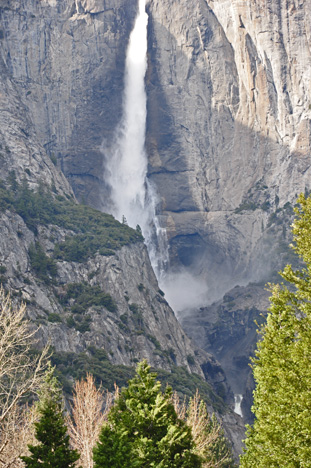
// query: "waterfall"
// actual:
[[132, 196], [237, 404]]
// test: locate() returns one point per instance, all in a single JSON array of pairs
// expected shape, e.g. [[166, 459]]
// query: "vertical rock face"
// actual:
[[229, 126], [61, 81], [67, 60], [228, 133], [228, 112], [20, 150], [229, 143]]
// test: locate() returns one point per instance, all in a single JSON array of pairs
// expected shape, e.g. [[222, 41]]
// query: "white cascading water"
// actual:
[[132, 196], [237, 404]]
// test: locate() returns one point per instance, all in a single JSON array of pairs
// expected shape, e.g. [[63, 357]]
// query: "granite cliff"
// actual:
[[228, 142], [229, 150], [87, 279], [228, 113], [229, 128]]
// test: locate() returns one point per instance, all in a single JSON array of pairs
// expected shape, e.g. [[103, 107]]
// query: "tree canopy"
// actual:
[[52, 450], [144, 430], [281, 434]]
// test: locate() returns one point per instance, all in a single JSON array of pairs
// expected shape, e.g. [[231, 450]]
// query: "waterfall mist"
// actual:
[[184, 290]]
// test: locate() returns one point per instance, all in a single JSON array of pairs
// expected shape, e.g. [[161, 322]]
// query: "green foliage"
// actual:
[[211, 444], [186, 384], [144, 430], [154, 341], [71, 322], [95, 361], [113, 450], [93, 231], [124, 318], [134, 308], [170, 353], [82, 324], [52, 450], [281, 434], [219, 452], [137, 317], [86, 296], [190, 360], [246, 205], [3, 271], [138, 229], [6, 197], [265, 206], [54, 317], [44, 266]]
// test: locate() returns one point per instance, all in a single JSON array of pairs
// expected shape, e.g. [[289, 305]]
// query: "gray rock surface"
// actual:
[[67, 61], [61, 80], [228, 140], [228, 330], [228, 113], [127, 276], [228, 127], [20, 149]]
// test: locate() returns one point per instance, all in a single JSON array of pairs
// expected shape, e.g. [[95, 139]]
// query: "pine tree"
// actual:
[[281, 434], [144, 430], [53, 449]]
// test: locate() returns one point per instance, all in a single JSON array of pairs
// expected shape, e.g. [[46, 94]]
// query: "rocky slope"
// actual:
[[138, 322], [228, 330]]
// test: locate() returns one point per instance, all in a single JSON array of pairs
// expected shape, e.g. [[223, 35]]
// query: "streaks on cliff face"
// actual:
[[228, 109], [230, 81]]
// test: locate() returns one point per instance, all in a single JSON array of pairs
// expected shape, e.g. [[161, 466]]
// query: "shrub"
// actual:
[[86, 296], [54, 318], [44, 266]]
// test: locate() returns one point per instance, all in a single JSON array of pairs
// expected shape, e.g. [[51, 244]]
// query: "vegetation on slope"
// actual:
[[84, 296], [72, 366], [91, 231]]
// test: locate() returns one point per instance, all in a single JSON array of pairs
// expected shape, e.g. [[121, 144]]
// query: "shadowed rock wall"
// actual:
[[67, 59], [228, 128], [228, 131]]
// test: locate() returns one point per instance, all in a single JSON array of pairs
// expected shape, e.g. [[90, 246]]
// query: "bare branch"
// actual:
[[21, 371], [89, 411], [17, 431], [205, 430]]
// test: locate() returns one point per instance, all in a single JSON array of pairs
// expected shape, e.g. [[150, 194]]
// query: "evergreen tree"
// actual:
[[281, 434], [144, 430], [53, 449]]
